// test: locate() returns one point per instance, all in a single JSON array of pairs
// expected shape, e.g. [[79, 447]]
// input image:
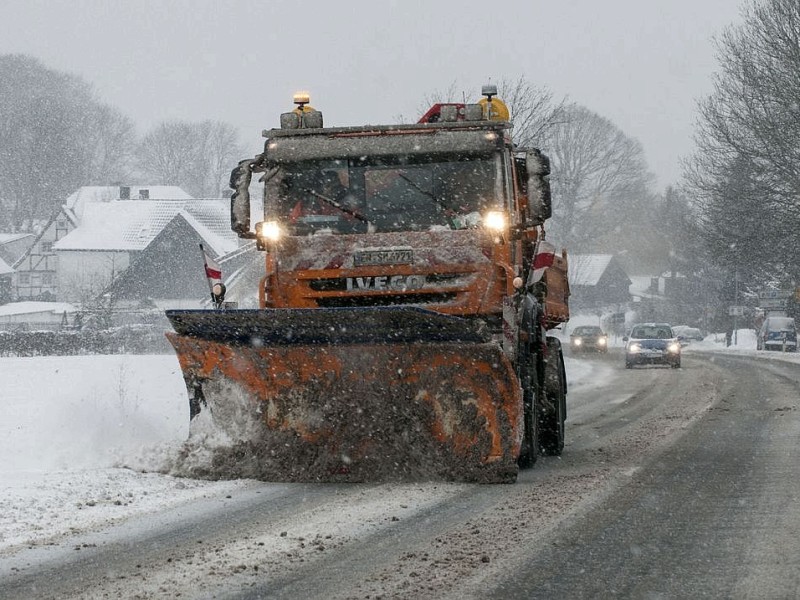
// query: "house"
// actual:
[[168, 272], [36, 271], [596, 281]]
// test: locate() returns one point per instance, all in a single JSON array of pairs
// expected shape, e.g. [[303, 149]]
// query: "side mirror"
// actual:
[[539, 198], [625, 338], [240, 199]]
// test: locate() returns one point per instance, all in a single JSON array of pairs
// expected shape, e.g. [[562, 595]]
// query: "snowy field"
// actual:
[[85, 440], [80, 437]]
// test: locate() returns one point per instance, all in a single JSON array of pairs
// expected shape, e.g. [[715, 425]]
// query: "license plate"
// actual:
[[391, 256]]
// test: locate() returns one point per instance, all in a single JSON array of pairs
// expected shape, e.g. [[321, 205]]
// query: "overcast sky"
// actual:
[[643, 64]]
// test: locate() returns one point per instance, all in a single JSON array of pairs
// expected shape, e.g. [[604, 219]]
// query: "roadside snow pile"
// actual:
[[743, 343], [69, 423], [70, 412], [743, 340]]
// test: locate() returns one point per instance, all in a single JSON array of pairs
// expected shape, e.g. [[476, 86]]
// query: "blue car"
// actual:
[[652, 344]]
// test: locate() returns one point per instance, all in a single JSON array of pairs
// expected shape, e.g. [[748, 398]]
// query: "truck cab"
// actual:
[[444, 213]]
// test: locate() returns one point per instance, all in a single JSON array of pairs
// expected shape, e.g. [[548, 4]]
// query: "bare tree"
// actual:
[[745, 176], [599, 178], [110, 138], [55, 136], [195, 156], [533, 109]]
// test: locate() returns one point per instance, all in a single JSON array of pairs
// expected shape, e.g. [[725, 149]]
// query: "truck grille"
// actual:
[[340, 284], [385, 300]]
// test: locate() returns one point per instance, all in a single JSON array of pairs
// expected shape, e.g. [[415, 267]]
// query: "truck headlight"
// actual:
[[268, 231], [634, 348], [495, 221]]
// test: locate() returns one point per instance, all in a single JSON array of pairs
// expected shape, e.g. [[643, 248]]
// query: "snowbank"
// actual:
[[73, 429]]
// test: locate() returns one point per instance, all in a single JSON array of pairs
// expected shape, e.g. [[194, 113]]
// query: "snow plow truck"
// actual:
[[404, 303]]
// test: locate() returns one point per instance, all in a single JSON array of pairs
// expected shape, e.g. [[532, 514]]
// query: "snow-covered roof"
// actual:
[[77, 201], [586, 269], [129, 225], [24, 308], [211, 219], [4, 268]]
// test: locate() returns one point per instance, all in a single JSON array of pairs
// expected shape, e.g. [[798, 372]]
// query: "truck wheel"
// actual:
[[530, 441], [552, 410]]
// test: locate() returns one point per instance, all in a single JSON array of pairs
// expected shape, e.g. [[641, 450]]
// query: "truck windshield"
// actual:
[[386, 194]]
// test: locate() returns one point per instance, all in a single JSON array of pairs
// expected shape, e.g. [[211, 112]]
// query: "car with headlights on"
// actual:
[[588, 338], [651, 344]]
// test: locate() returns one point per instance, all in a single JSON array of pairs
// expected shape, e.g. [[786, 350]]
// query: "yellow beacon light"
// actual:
[[302, 99]]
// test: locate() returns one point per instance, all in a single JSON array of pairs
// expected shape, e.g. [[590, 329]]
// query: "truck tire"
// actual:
[[530, 439], [552, 411]]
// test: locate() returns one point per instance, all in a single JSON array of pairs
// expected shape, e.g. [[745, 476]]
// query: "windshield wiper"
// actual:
[[345, 209], [450, 222]]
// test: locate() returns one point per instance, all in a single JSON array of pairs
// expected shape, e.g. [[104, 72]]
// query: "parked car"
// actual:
[[777, 333], [652, 343], [686, 334], [588, 338]]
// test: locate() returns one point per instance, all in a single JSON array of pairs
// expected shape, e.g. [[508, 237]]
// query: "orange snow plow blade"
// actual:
[[363, 394]]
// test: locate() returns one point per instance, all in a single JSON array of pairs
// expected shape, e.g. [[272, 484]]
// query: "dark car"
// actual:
[[687, 335], [588, 338], [650, 344], [777, 333]]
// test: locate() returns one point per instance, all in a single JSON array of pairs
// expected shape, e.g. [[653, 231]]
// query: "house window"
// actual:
[[47, 279], [47, 247], [24, 278]]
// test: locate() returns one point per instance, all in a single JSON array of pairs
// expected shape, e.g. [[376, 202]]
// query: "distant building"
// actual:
[[168, 272], [596, 281], [37, 274]]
